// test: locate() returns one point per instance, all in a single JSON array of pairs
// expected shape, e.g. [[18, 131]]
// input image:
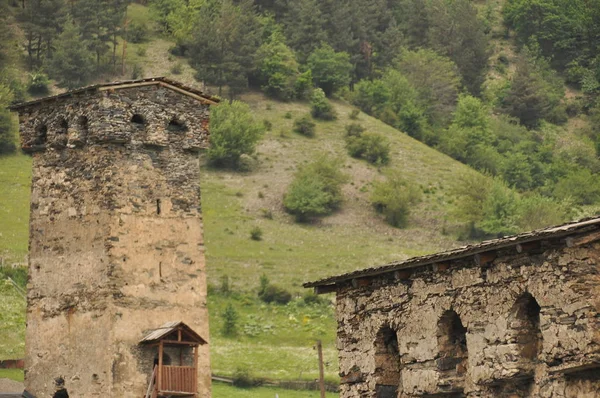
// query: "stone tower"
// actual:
[[116, 239]]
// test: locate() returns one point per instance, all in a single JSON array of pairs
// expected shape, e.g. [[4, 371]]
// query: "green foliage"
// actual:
[[394, 198], [311, 298], [277, 69], [163, 9], [304, 23], [316, 189], [305, 126], [137, 32], [230, 322], [354, 130], [354, 114], [436, 82], [242, 378], [275, 294], [579, 185], [223, 42], [496, 210], [177, 68], [234, 133], [7, 139], [225, 287], [256, 233], [72, 64], [535, 91], [38, 84], [321, 108], [304, 85], [137, 71], [373, 147], [330, 69]]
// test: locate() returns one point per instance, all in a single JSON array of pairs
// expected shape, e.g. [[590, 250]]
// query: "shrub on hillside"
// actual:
[[137, 32], [321, 108], [234, 133], [7, 139], [277, 68], [373, 147], [316, 189], [38, 84], [275, 294], [580, 185], [230, 319], [393, 198], [354, 130], [305, 126]]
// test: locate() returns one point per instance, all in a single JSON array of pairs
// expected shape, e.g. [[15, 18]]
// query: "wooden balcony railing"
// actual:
[[178, 379]]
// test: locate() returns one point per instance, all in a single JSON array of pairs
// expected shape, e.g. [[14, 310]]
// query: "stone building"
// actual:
[[116, 241], [512, 317]]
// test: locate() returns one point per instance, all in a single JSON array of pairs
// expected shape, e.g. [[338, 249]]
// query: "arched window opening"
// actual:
[[41, 135], [387, 363], [452, 343], [524, 321], [176, 126], [138, 120]]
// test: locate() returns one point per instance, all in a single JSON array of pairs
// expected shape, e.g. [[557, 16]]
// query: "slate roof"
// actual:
[[168, 328], [166, 82], [563, 230]]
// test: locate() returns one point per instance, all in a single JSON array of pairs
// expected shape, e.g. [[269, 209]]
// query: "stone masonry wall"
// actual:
[[530, 324], [116, 241]]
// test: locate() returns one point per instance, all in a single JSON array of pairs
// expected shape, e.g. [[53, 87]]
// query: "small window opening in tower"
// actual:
[[176, 126], [41, 135], [138, 120], [452, 343], [158, 209], [387, 363]]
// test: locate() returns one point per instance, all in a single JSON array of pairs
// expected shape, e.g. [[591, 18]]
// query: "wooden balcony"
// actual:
[[177, 380]]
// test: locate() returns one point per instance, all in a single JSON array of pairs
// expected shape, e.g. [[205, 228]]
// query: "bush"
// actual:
[[277, 68], [321, 108], [137, 32], [38, 84], [305, 126], [275, 294], [354, 114], [316, 189], [267, 124], [331, 70], [137, 72], [373, 147], [288, 115], [354, 130], [580, 185], [304, 85], [177, 68], [234, 133], [230, 319], [256, 233], [311, 298], [393, 198], [243, 379]]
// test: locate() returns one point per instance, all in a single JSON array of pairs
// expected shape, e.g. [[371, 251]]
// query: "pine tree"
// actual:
[[304, 24], [72, 64], [224, 42]]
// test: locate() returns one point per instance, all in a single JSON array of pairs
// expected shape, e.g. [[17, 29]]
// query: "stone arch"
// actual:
[[387, 363], [524, 322], [452, 344]]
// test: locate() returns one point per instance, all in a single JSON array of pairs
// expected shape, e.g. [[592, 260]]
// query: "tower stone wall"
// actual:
[[116, 239]]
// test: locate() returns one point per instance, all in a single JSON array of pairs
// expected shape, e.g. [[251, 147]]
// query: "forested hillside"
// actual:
[[326, 149]]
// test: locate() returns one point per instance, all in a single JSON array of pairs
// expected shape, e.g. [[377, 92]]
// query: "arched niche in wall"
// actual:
[[387, 363], [452, 344], [176, 126], [524, 323]]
